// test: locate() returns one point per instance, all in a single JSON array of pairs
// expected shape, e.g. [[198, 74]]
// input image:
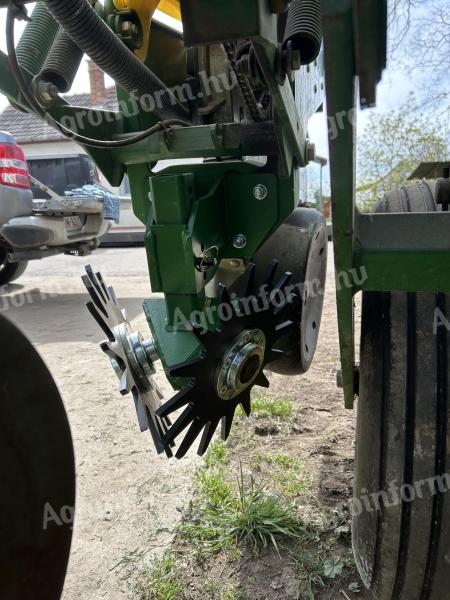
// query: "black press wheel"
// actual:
[[10, 271], [301, 246], [401, 523]]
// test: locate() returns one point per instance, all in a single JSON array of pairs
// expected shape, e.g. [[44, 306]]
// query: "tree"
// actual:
[[390, 148], [419, 43]]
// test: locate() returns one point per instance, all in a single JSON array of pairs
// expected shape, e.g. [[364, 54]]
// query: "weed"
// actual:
[[333, 566], [289, 474], [260, 517], [217, 454], [267, 406], [223, 516], [160, 582], [216, 590]]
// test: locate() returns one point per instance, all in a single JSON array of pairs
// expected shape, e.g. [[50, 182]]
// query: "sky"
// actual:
[[392, 92]]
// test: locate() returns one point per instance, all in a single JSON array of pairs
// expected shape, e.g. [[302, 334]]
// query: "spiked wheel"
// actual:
[[130, 357], [233, 360]]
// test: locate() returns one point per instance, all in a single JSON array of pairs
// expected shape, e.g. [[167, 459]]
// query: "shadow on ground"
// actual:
[[57, 318]]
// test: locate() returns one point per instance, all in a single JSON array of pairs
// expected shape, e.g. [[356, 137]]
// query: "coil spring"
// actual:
[[37, 39], [62, 63], [304, 29]]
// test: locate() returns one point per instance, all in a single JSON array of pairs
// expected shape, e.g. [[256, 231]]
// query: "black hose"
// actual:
[[304, 29], [33, 104], [62, 63], [98, 41]]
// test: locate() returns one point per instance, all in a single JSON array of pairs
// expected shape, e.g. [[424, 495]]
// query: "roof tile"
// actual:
[[27, 128]]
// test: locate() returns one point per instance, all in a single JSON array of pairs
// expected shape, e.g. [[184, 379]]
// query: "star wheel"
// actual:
[[233, 358], [131, 357]]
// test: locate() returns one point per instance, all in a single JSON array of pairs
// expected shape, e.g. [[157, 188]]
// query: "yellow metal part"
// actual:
[[171, 8], [145, 9]]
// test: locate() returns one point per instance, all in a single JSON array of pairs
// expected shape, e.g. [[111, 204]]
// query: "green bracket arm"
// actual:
[[341, 100], [355, 46]]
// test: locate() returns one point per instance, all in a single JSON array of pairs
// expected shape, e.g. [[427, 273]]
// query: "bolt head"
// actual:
[[129, 28], [260, 192], [240, 241]]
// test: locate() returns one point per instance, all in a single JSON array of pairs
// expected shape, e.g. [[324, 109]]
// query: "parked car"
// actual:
[[33, 228], [63, 173]]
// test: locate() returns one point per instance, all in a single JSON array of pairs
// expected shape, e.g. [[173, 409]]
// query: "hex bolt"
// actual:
[[46, 92], [240, 241], [128, 27]]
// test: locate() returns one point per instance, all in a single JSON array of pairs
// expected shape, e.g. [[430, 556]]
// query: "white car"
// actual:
[[32, 229]]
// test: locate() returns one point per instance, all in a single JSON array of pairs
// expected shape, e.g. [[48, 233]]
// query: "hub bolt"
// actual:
[[240, 241]]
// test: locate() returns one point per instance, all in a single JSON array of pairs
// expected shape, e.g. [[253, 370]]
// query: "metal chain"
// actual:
[[246, 90]]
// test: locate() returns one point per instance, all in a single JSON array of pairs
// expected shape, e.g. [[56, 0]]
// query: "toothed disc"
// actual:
[[265, 310], [106, 310]]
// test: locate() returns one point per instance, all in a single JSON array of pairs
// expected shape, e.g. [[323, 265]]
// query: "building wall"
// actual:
[[51, 149]]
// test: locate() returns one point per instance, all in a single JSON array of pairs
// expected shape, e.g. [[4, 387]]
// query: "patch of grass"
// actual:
[[217, 454], [161, 581], [224, 515], [260, 517], [214, 495], [268, 406], [289, 474], [216, 590]]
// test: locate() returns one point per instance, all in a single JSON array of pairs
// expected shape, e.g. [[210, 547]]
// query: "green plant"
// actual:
[[355, 587], [289, 474], [217, 454], [259, 517], [223, 515], [217, 590], [214, 495], [333, 567], [267, 406], [160, 582]]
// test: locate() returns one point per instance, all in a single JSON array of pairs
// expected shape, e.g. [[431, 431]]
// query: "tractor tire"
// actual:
[[401, 505], [9, 272], [37, 474]]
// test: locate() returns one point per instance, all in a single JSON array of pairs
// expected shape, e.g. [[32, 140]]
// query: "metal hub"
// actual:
[[241, 364], [140, 353]]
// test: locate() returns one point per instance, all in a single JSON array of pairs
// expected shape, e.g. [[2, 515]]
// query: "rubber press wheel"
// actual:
[[301, 247], [401, 508]]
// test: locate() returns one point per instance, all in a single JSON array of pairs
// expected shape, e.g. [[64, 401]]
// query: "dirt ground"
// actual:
[[128, 500], [127, 497]]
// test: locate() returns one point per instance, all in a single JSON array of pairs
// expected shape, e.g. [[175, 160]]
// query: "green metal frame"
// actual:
[[187, 209], [387, 252]]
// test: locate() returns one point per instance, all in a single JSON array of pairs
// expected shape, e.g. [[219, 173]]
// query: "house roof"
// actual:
[[27, 128]]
